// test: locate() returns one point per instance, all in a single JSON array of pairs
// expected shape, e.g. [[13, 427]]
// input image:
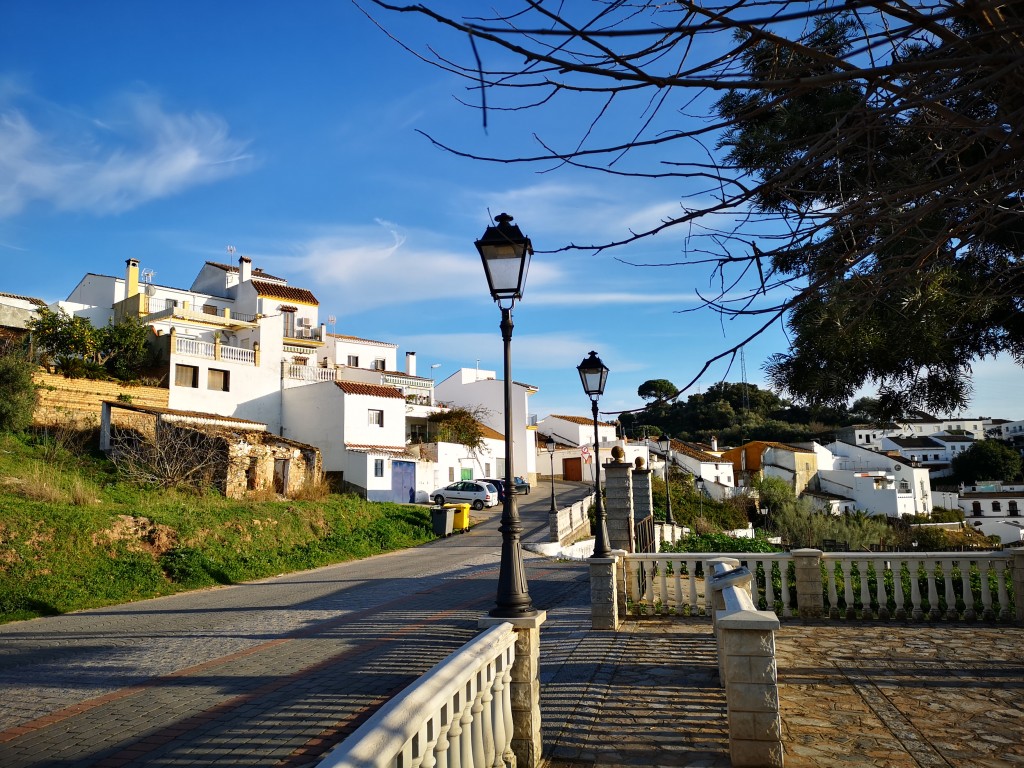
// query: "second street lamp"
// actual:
[[594, 375], [550, 445], [505, 252], [666, 446]]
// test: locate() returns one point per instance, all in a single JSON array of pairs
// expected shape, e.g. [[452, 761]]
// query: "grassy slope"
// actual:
[[72, 537]]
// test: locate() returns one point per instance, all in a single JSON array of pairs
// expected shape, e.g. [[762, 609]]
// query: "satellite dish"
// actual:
[[151, 290], [897, 467]]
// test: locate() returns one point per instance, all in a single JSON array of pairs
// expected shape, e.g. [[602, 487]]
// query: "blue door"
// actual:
[[403, 482]]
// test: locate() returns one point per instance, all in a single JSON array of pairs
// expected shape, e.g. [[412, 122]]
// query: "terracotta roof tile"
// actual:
[[394, 451], [490, 434], [37, 302], [581, 420], [287, 292], [158, 411], [256, 271], [372, 390], [695, 453]]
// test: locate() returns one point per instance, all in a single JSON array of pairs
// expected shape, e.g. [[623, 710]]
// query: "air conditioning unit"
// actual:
[[307, 333], [305, 322]]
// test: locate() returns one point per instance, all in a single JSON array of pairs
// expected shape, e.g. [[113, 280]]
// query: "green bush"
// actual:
[[17, 392]]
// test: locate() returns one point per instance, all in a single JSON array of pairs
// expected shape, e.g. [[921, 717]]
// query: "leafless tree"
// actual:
[[862, 162], [149, 452]]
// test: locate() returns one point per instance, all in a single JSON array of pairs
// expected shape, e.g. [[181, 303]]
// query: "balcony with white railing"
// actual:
[[214, 351]]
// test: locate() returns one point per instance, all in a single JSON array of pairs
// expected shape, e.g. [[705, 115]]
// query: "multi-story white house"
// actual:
[[969, 425], [1010, 432], [243, 343], [574, 441], [995, 509], [715, 472], [873, 482], [483, 392]]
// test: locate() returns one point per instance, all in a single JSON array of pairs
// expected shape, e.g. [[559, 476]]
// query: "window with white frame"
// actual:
[[288, 316], [353, 361], [378, 467], [378, 364], [376, 418]]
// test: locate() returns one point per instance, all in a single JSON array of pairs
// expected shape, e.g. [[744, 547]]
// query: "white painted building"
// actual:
[[970, 425], [873, 482], [995, 509], [481, 391]]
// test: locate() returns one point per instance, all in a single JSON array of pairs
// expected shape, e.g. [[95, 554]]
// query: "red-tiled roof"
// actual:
[[256, 271], [287, 292], [37, 302], [581, 420], [490, 434], [387, 450], [695, 453], [158, 411], [372, 390]]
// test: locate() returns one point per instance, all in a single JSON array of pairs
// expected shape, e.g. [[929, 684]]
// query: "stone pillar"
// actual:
[[810, 600], [751, 684], [604, 591], [256, 353], [618, 489], [643, 501], [216, 346], [1017, 571], [525, 687]]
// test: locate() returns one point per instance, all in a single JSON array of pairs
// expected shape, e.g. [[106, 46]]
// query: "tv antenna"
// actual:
[[147, 275], [331, 320], [231, 250]]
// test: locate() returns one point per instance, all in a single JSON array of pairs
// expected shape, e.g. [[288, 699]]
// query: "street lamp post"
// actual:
[[701, 490], [666, 446], [594, 375], [505, 252], [550, 445]]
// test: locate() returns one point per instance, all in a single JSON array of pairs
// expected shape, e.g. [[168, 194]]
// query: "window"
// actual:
[[451, 474], [170, 303], [376, 418], [976, 508], [996, 506], [1013, 509], [288, 316], [353, 361], [186, 376], [378, 467], [210, 309], [218, 380], [378, 364]]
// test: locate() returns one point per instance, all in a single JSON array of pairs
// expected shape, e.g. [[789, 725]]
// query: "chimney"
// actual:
[[131, 278], [410, 363], [714, 443], [244, 269]]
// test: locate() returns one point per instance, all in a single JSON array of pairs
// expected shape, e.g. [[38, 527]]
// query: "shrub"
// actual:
[[17, 392]]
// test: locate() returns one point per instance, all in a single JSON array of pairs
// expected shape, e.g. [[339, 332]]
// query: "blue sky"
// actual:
[[168, 131]]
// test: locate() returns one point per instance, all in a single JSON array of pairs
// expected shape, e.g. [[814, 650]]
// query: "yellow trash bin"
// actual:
[[461, 522]]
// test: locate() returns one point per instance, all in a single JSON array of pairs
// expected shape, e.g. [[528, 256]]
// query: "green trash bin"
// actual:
[[442, 519]]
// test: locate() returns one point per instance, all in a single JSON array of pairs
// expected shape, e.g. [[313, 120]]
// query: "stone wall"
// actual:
[[64, 400]]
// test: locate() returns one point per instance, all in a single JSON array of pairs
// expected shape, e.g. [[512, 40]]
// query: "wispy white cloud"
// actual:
[[110, 164], [569, 299]]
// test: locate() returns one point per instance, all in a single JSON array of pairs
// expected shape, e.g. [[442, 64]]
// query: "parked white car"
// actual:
[[478, 494]]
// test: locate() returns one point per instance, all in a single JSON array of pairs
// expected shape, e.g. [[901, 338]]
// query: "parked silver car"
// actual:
[[477, 493]]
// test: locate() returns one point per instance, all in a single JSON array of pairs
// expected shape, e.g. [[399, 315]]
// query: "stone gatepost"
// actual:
[[643, 500], [749, 674], [1017, 569], [525, 687], [810, 600], [604, 591], [618, 488]]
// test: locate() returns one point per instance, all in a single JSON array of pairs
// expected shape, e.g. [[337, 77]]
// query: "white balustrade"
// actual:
[[309, 373], [194, 348], [237, 354], [933, 586], [459, 714], [208, 351]]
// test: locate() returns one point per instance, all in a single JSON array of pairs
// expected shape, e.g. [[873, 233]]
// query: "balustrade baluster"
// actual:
[[1004, 599], [691, 576], [883, 600], [847, 566], [952, 611], [487, 715], [441, 747], [678, 605], [455, 731], [984, 566], [970, 612], [426, 745], [769, 585], [506, 709], [476, 738], [914, 568], [649, 567], [498, 715], [833, 597], [787, 608], [897, 589], [865, 591], [934, 609]]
